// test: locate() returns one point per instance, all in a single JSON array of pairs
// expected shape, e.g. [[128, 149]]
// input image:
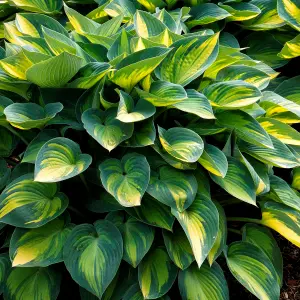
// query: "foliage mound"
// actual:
[[143, 145]]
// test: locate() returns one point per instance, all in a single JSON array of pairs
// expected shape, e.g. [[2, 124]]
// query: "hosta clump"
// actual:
[[142, 147]]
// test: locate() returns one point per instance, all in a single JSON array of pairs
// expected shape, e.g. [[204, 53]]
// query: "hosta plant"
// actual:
[[148, 149]]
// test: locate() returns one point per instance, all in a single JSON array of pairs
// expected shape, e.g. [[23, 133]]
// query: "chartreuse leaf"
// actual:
[[291, 48], [45, 7], [232, 94], [182, 143], [32, 283], [126, 180], [153, 213], [196, 104], [200, 223], [30, 115], [240, 11], [289, 11], [4, 173], [87, 251], [156, 273], [108, 131], [281, 131], [296, 178], [245, 127], [214, 160], [220, 242], [190, 57], [178, 247], [162, 93], [261, 280], [129, 112], [60, 159], [138, 65], [134, 292], [207, 283], [237, 182], [29, 204], [173, 187], [283, 219], [40, 247], [5, 266], [263, 239]]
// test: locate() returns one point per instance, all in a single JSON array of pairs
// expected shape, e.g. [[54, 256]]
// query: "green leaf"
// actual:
[[263, 239], [205, 283], [126, 180], [289, 11], [120, 46], [296, 178], [190, 57], [4, 173], [87, 251], [60, 159], [261, 281], [157, 273], [237, 182], [214, 160], [291, 48], [200, 223], [46, 7], [240, 11], [232, 94], [153, 213], [40, 247], [181, 143], [32, 283], [135, 293], [178, 247], [29, 204], [5, 266], [26, 116], [129, 112], [108, 131], [173, 188], [138, 65]]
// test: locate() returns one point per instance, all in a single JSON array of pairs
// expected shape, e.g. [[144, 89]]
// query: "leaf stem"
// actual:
[[84, 182], [234, 231], [8, 127], [236, 219]]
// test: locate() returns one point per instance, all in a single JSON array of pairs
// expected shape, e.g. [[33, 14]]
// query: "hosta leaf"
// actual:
[[32, 283], [40, 247], [262, 280], [206, 127], [214, 160], [283, 219], [296, 178], [291, 48], [173, 188], [281, 131], [263, 238], [30, 115], [134, 292], [60, 159], [120, 46], [240, 11], [157, 274], [205, 283], [162, 93], [190, 57], [196, 104], [289, 11], [232, 94], [289, 89], [200, 223], [29, 204], [182, 143], [4, 173], [108, 131], [245, 127], [54, 72], [124, 8], [178, 247], [46, 7], [5, 266], [206, 13], [126, 180], [129, 112], [138, 65], [237, 182], [87, 251], [153, 213]]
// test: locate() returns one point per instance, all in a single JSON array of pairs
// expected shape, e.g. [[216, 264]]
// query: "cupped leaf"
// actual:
[[157, 273], [260, 280], [32, 283], [200, 223], [173, 188], [289, 11], [182, 143], [108, 131], [29, 204], [207, 283], [30, 115], [60, 159], [291, 48], [240, 11], [40, 247], [5, 266], [126, 180], [92, 255]]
